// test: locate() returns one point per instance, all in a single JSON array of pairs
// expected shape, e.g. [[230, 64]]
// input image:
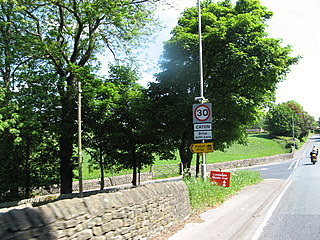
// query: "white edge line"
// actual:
[[269, 213]]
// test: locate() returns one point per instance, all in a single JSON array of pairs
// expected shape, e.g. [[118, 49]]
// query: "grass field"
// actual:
[[259, 145]]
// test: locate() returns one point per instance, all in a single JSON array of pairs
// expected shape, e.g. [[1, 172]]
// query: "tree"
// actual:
[[100, 97], [303, 120], [68, 35], [27, 152], [279, 120], [287, 118], [242, 67], [131, 139]]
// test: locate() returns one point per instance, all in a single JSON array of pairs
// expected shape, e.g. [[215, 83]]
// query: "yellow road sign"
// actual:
[[201, 147]]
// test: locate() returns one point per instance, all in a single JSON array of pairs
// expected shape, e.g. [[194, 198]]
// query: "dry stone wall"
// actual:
[[137, 213]]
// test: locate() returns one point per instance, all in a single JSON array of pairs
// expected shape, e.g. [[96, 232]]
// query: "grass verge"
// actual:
[[204, 195]]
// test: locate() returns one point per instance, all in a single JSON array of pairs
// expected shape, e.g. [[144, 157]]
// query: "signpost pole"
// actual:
[[203, 166]]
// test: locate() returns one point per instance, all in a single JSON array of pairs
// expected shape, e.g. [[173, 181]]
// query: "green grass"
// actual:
[[205, 195], [259, 145]]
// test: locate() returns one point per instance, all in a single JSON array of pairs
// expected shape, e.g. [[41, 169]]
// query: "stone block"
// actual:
[[58, 225], [107, 217], [56, 210], [110, 235], [20, 219], [77, 207], [94, 205], [98, 221], [35, 217], [106, 228], [116, 224], [98, 238], [64, 206], [127, 222], [71, 223], [97, 231], [46, 214], [72, 231], [84, 235]]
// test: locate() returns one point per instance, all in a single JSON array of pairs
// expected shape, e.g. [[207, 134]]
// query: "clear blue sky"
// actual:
[[297, 22]]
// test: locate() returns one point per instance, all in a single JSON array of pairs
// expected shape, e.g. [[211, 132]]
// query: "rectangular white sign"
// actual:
[[202, 135], [202, 126]]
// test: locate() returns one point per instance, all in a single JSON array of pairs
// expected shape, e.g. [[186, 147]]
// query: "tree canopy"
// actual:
[[57, 42], [288, 119], [242, 67], [47, 47]]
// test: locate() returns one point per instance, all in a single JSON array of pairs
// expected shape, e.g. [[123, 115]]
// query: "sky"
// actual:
[[296, 22]]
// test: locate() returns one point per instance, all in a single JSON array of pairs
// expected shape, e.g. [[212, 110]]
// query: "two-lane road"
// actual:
[[297, 213]]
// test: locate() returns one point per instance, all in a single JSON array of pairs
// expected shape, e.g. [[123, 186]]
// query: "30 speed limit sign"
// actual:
[[202, 113]]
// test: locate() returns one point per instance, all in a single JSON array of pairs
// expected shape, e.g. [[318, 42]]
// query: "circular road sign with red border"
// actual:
[[202, 113]]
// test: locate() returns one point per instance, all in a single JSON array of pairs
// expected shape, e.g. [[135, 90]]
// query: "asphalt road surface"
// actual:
[[296, 214], [286, 205]]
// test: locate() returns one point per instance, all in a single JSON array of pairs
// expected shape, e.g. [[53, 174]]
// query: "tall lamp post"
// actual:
[[201, 99]]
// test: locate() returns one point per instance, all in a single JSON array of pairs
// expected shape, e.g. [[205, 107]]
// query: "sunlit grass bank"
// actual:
[[259, 145], [205, 195]]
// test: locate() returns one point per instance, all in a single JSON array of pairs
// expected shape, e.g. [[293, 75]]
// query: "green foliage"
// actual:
[[47, 47], [279, 120], [288, 142], [242, 67], [289, 118], [204, 194]]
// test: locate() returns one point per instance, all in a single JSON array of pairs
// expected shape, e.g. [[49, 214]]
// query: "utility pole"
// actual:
[[293, 138], [80, 141]]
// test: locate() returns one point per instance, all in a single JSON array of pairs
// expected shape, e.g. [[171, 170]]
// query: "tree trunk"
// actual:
[[66, 167], [185, 156], [68, 130], [27, 166], [101, 169], [134, 168]]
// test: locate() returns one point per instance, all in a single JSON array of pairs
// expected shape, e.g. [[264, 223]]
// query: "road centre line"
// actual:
[[297, 162], [291, 165]]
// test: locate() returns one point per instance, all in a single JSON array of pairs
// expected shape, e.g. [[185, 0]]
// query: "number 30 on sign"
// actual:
[[202, 113]]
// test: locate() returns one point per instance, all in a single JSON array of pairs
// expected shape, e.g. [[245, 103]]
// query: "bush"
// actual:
[[288, 141], [291, 144]]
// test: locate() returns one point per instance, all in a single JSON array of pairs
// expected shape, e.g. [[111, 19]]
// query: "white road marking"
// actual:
[[269, 213], [291, 165]]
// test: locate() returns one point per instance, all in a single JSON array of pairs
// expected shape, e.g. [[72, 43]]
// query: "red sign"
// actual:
[[221, 178]]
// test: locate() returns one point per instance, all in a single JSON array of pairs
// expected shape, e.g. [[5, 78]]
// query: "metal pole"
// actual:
[[203, 166], [80, 141], [200, 50]]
